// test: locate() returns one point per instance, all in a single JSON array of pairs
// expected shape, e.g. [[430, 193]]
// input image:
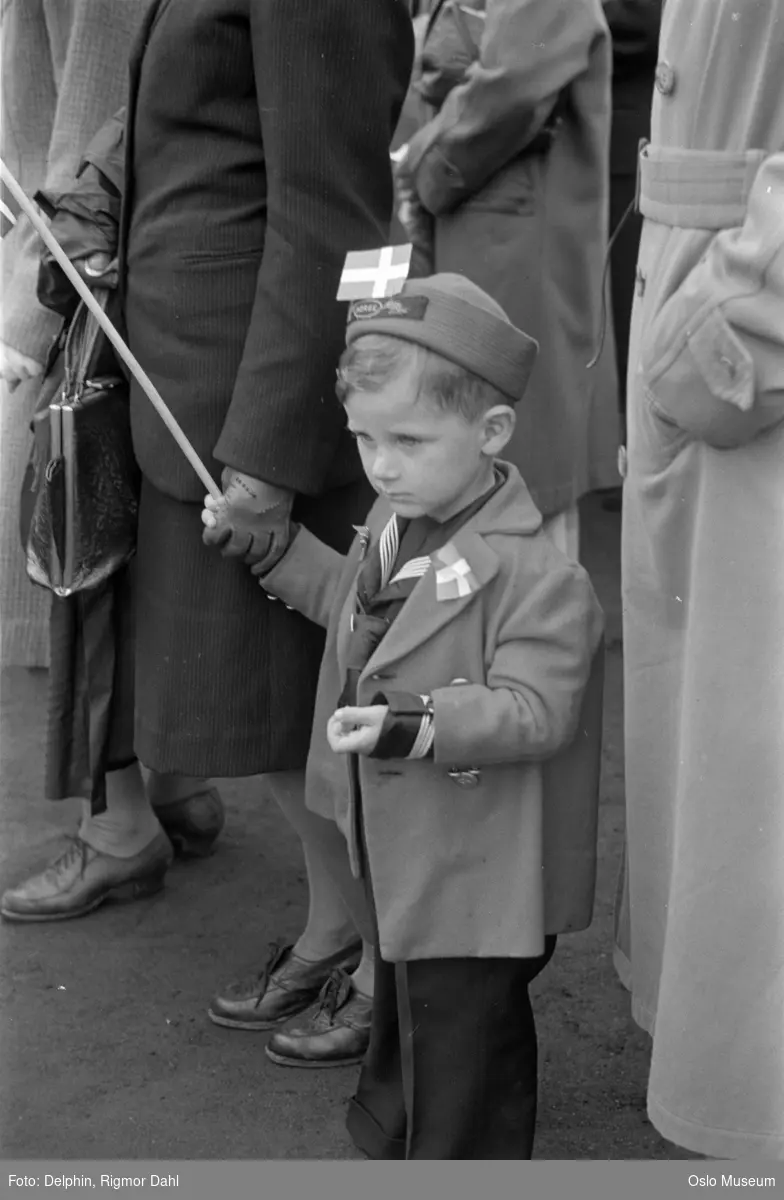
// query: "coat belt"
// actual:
[[696, 189]]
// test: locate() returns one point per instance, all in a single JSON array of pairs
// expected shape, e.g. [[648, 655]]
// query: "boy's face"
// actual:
[[426, 461]]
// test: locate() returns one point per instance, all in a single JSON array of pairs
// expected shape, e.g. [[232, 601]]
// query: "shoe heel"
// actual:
[[139, 889], [190, 845]]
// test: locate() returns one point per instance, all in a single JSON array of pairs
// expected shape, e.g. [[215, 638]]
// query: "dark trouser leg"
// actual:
[[464, 1067], [377, 1114], [376, 1117]]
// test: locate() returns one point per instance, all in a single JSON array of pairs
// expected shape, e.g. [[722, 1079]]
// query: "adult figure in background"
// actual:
[[63, 64], [65, 74], [511, 171], [703, 578], [231, 251], [634, 26]]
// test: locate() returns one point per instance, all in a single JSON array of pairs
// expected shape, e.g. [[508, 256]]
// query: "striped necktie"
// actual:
[[388, 547]]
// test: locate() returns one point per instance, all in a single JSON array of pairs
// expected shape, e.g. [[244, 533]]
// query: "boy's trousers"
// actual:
[[451, 1072]]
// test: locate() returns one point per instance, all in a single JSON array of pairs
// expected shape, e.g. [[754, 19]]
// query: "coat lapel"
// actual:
[[423, 615], [377, 519]]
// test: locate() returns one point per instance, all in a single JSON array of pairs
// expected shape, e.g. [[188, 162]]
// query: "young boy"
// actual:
[[459, 649]]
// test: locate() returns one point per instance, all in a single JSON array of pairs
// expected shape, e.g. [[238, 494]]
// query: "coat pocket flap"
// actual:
[[706, 385], [723, 361]]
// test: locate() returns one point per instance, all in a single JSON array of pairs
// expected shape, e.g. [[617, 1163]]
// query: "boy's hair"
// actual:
[[376, 359]]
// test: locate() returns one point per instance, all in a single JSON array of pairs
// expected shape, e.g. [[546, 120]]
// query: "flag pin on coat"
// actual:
[[374, 274], [454, 577]]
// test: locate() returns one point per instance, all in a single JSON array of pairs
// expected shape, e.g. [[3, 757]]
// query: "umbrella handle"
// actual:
[[131, 362]]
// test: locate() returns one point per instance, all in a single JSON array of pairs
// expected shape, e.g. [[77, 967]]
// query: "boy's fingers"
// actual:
[[355, 716]]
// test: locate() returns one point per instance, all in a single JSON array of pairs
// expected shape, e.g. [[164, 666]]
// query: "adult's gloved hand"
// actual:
[[251, 522]]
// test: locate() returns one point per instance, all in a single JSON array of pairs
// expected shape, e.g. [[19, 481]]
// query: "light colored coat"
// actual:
[[461, 872], [703, 586], [64, 71], [531, 228]]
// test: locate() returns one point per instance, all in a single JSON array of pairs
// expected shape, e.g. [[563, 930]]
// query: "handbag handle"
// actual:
[[81, 341], [465, 33], [134, 366], [461, 25]]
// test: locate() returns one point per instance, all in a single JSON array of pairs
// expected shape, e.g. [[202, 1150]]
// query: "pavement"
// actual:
[[106, 1047]]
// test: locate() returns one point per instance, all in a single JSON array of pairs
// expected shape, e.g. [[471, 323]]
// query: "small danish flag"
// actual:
[[9, 211], [373, 274]]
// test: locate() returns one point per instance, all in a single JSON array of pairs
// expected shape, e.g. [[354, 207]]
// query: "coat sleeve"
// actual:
[[531, 50], [712, 360], [308, 577], [331, 78], [90, 43], [86, 216], [530, 705]]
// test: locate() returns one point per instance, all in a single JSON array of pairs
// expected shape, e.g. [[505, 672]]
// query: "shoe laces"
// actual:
[[335, 993], [75, 850], [276, 952]]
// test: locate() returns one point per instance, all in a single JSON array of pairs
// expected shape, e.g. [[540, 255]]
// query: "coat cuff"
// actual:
[[408, 729], [438, 183]]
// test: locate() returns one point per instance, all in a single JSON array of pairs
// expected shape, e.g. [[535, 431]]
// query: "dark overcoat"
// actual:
[[530, 227], [634, 25]]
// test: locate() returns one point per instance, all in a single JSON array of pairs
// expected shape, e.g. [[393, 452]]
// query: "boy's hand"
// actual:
[[251, 522], [356, 730]]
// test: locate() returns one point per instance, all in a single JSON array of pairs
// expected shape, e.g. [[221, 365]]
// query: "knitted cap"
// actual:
[[456, 319]]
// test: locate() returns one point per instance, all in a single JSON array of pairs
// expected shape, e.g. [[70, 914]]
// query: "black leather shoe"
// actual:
[[193, 823], [285, 987], [335, 1034]]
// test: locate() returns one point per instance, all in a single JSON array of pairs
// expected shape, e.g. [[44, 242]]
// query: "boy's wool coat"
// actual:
[[514, 670]]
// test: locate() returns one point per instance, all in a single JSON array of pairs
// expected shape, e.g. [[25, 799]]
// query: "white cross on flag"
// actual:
[[373, 274]]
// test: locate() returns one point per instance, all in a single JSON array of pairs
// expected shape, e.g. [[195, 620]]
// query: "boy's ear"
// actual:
[[498, 427]]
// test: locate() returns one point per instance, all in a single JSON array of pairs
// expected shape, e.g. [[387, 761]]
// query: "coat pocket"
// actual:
[[705, 385], [218, 255]]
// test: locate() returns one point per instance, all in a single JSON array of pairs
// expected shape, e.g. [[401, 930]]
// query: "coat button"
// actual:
[[623, 462], [665, 78], [466, 779], [639, 280]]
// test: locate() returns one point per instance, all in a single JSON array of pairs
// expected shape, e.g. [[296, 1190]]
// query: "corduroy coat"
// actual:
[[231, 247], [702, 926], [530, 228], [515, 673]]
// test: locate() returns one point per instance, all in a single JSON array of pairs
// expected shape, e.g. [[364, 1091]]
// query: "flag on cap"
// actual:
[[373, 274], [9, 211]]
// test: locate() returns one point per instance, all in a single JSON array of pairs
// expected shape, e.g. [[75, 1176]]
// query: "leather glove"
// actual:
[[252, 522]]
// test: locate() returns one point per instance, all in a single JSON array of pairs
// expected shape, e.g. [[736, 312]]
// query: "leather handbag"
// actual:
[[82, 482]]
